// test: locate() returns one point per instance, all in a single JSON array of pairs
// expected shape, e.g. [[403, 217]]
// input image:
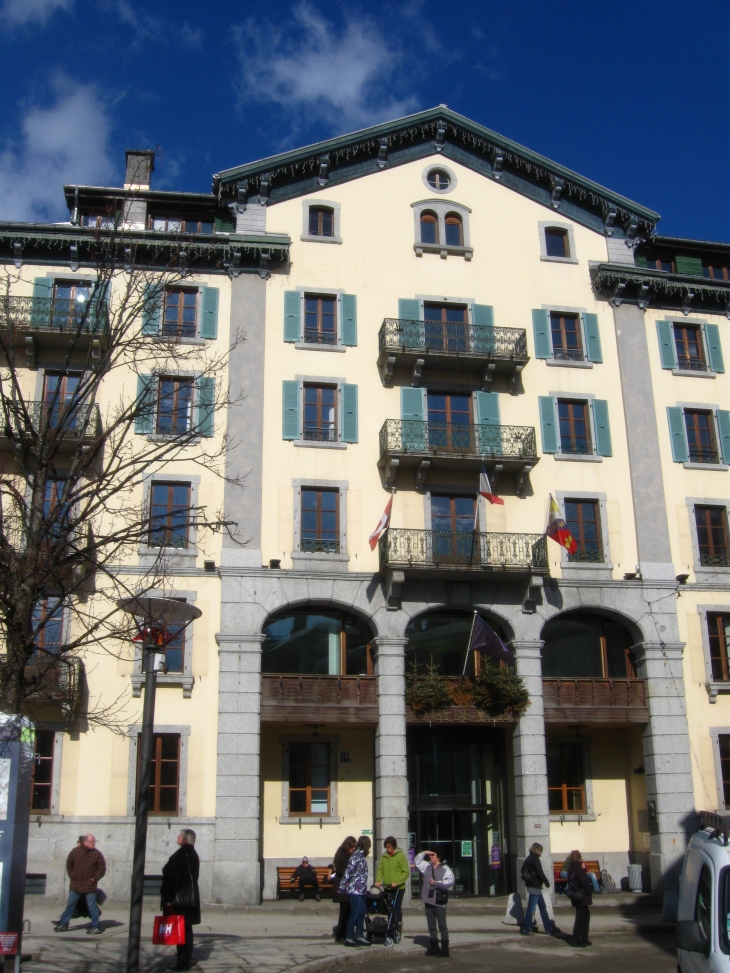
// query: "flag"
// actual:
[[485, 488], [557, 529], [485, 639], [382, 525]]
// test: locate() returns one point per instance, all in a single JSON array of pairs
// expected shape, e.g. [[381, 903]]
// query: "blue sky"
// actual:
[[631, 94]]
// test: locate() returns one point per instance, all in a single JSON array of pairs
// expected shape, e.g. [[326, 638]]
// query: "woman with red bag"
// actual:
[[179, 893]]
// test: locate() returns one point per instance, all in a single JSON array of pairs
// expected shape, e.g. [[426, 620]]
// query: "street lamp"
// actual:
[[155, 615]]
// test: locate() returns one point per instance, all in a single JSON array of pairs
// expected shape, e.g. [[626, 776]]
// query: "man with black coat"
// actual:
[[179, 894], [307, 876], [534, 878], [578, 879]]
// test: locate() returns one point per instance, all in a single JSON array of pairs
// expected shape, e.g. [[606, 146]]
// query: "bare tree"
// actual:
[[74, 463]]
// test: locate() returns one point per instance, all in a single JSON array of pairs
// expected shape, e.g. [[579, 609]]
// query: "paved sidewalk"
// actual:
[[283, 936]]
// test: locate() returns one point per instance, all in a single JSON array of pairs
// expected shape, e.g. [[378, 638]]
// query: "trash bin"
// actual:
[[635, 881]]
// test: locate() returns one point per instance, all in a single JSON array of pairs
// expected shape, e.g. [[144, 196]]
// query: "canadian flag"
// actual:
[[382, 524], [485, 489]]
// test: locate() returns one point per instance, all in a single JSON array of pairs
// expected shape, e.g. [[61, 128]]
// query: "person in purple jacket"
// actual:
[[355, 884]]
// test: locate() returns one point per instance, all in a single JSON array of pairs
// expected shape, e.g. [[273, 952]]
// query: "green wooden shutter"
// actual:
[[723, 425], [667, 347], [678, 434], [593, 338], [209, 314], [488, 431], [144, 420], [487, 408], [413, 404], [290, 412], [548, 424], [225, 224], [349, 413], [409, 309], [205, 405], [41, 308], [414, 435], [640, 260], [541, 330], [482, 314], [688, 265], [292, 316], [348, 328], [714, 348], [602, 427], [151, 308]]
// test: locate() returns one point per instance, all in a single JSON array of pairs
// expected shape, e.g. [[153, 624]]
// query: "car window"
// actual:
[[703, 911]]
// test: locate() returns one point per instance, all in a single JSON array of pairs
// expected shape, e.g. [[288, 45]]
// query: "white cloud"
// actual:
[[18, 13], [144, 26], [344, 76], [67, 142]]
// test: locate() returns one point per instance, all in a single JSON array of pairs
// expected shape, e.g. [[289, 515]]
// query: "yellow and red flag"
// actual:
[[557, 529]]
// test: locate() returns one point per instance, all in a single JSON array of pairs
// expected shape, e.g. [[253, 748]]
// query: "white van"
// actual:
[[703, 926]]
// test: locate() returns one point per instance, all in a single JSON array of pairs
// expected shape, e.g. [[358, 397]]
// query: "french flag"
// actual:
[[382, 524], [485, 489]]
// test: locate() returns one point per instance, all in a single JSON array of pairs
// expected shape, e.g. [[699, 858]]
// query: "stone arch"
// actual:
[[630, 624], [588, 644]]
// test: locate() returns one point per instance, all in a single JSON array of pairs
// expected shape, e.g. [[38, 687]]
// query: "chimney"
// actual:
[[140, 166]]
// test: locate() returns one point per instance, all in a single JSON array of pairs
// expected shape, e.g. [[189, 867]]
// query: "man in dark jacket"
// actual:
[[577, 877], [179, 894], [85, 866], [307, 879]]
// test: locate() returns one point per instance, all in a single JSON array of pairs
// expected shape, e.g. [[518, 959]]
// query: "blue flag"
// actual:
[[484, 639]]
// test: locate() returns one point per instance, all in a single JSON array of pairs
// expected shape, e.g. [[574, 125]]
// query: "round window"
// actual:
[[439, 180]]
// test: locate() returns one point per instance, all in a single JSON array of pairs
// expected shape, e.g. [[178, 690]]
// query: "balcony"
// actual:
[[591, 701], [458, 713], [56, 689], [432, 552], [70, 424], [47, 322], [456, 446], [448, 346], [319, 699]]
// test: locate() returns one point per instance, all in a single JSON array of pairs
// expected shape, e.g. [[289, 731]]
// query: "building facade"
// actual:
[[422, 301]]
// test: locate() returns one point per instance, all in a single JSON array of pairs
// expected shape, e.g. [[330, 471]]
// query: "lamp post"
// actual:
[[155, 614]]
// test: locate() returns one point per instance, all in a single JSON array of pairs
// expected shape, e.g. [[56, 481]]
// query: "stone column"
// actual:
[[666, 760], [236, 860], [391, 773]]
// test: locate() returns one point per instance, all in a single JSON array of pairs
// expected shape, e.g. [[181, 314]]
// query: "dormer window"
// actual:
[[429, 228], [100, 222], [321, 221], [454, 230], [177, 224]]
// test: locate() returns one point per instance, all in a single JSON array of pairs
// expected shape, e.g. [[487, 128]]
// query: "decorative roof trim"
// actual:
[[635, 285]]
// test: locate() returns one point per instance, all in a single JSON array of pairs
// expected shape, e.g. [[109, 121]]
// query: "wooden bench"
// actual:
[[591, 866], [284, 879]]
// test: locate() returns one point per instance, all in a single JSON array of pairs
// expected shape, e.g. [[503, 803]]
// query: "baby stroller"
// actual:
[[380, 921]]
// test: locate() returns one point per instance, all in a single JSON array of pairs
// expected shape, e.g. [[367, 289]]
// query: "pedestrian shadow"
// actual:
[[421, 941]]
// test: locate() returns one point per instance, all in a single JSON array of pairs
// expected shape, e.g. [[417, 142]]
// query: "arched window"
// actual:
[[587, 646], [317, 642], [441, 639], [429, 228], [321, 221], [454, 231]]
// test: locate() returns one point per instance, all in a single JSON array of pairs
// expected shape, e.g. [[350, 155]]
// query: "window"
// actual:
[[42, 784], [566, 778], [690, 348], [566, 335], [429, 228], [716, 271], [181, 313], [48, 626], [582, 518], [452, 523], [580, 645], [174, 405], [660, 263], [165, 774], [59, 390], [70, 301], [439, 180], [56, 511], [703, 909], [320, 413], [100, 222], [454, 231], [450, 421], [723, 740], [321, 221], [701, 443], [712, 536], [309, 778], [175, 646], [446, 327], [318, 642], [575, 430], [320, 320], [441, 639], [169, 514], [175, 224], [556, 242], [718, 629], [320, 529]]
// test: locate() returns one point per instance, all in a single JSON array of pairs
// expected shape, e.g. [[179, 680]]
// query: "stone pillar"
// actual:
[[666, 760], [236, 859], [530, 762], [391, 774]]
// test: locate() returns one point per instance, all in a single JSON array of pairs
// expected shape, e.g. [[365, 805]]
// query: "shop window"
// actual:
[[42, 784], [309, 778], [582, 646], [317, 642], [165, 774], [566, 778]]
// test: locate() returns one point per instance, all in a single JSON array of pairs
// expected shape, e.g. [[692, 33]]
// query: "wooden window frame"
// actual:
[[320, 212], [692, 427], [718, 645], [427, 216], [579, 534], [553, 232], [716, 273], [453, 219], [318, 511], [685, 361], [170, 509], [446, 335], [37, 760], [436, 175], [708, 558], [187, 226], [571, 419], [175, 414], [318, 336], [561, 350], [723, 742], [180, 328], [308, 788], [156, 785], [449, 413], [322, 432], [564, 788]]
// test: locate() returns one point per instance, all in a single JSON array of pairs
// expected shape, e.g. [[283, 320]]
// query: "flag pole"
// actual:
[[468, 644]]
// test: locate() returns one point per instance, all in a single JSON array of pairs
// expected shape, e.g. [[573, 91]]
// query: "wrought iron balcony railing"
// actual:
[[469, 549], [56, 315], [319, 545], [414, 436], [586, 557], [450, 337], [69, 420], [691, 364], [715, 560]]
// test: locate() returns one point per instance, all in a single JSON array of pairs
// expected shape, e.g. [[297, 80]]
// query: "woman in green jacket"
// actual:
[[394, 871]]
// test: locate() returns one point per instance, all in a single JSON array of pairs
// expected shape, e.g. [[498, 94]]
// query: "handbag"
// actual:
[[185, 897], [442, 895], [169, 931], [574, 892]]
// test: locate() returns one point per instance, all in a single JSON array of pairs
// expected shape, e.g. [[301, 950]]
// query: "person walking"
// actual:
[[394, 871], [578, 881], [438, 880], [179, 893], [307, 876], [355, 884], [85, 865], [534, 878], [338, 868]]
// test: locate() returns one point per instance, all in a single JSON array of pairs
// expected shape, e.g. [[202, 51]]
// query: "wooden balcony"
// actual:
[[590, 701], [319, 699]]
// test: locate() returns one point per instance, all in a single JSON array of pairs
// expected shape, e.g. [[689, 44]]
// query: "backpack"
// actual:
[[607, 882]]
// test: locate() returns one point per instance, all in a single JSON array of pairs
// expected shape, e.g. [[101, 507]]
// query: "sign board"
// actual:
[[366, 831], [8, 943], [466, 851], [496, 857], [16, 769]]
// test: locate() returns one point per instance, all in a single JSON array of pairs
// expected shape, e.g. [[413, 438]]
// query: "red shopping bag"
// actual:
[[169, 931]]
